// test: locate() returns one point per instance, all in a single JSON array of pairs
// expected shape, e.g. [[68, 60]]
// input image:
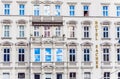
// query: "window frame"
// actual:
[[86, 55], [21, 31], [36, 10], [106, 75], [105, 10], [106, 54], [72, 54], [71, 10], [6, 54], [6, 9], [21, 55], [21, 9]]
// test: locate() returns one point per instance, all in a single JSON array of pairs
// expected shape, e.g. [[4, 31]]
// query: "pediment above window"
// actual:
[[72, 22], [106, 44], [21, 21], [6, 21], [21, 44], [86, 23], [6, 43], [117, 23], [86, 44], [72, 44], [105, 23]]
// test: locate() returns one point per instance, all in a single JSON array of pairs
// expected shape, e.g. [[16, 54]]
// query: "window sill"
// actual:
[[117, 38], [21, 38], [72, 38], [6, 37], [106, 62], [86, 38], [105, 38]]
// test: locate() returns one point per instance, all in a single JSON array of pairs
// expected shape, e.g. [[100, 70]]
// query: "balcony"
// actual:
[[50, 39]]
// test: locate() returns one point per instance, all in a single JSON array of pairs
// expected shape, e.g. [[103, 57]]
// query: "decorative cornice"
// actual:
[[21, 2], [6, 1], [71, 3]]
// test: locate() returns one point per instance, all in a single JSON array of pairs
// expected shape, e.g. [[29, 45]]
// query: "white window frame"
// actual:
[[6, 9], [6, 29], [87, 54], [58, 31], [117, 10], [106, 54], [46, 10], [36, 32], [118, 32], [105, 30], [36, 10], [21, 31], [106, 75], [21, 9], [87, 75], [21, 54], [47, 31], [57, 10], [72, 31], [6, 74], [86, 30], [105, 10]]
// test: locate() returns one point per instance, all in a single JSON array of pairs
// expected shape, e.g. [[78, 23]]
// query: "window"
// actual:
[[37, 76], [105, 10], [21, 55], [48, 55], [118, 54], [6, 76], [86, 31], [21, 9], [118, 75], [21, 31], [36, 10], [87, 75], [106, 75], [118, 32], [37, 54], [105, 32], [57, 8], [46, 31], [47, 10], [72, 54], [58, 31], [59, 54], [6, 9], [72, 75], [106, 56], [48, 76], [6, 31], [118, 10], [72, 8], [86, 54], [59, 76], [6, 55], [86, 10], [21, 75], [36, 31], [72, 31]]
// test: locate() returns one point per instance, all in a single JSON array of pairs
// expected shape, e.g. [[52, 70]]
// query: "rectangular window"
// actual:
[[48, 76], [36, 10], [86, 54], [59, 76], [106, 55], [21, 9], [6, 9], [72, 31], [118, 32], [48, 55], [105, 32], [72, 55], [37, 54], [59, 55], [86, 31], [6, 54], [21, 75], [37, 76], [6, 31], [105, 10], [21, 31], [87, 75], [118, 54], [36, 31], [118, 10], [86, 10], [118, 75], [72, 75], [58, 31], [72, 10], [57, 8], [21, 55], [6, 76], [46, 10], [46, 31], [106, 75]]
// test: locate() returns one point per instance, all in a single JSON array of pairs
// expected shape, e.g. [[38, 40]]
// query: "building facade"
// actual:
[[59, 39]]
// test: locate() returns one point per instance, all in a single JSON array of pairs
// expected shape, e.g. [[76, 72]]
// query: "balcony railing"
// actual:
[[41, 39]]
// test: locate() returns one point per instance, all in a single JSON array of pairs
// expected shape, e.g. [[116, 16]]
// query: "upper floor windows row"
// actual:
[[57, 10]]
